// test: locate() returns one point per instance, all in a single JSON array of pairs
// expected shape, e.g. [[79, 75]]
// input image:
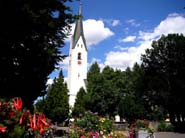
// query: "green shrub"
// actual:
[[93, 123], [89, 122], [105, 125], [163, 126], [17, 132]]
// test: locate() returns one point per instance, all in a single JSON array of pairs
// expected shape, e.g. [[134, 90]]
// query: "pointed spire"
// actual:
[[80, 8], [78, 28]]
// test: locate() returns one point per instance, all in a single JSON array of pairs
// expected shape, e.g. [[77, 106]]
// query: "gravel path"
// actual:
[[169, 135]]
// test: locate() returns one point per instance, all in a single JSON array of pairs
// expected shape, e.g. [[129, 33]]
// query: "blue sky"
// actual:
[[118, 31]]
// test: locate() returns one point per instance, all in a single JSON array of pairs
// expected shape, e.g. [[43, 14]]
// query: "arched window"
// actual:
[[79, 56]]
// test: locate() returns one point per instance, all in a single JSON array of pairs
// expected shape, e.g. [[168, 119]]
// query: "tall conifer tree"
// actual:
[[57, 100], [79, 106]]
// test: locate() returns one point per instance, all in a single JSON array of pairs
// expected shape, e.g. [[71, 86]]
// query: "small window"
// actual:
[[81, 45], [79, 56]]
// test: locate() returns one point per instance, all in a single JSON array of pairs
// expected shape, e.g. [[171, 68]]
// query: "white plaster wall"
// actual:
[[77, 73]]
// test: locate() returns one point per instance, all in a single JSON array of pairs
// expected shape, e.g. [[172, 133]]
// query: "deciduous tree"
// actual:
[[164, 65]]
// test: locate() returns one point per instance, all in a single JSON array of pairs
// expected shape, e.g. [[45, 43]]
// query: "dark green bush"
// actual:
[[163, 126], [89, 122]]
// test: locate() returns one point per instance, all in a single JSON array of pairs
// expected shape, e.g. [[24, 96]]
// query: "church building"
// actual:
[[77, 69]]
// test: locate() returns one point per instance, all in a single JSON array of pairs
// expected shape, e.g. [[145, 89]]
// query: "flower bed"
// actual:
[[93, 126], [16, 122]]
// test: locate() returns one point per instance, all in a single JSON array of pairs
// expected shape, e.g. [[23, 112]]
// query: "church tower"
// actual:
[[77, 69]]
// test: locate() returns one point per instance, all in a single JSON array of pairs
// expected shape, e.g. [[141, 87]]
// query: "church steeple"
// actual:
[[78, 29], [77, 68]]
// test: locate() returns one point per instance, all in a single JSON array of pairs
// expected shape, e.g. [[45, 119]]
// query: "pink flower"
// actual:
[[110, 135], [90, 133], [82, 136]]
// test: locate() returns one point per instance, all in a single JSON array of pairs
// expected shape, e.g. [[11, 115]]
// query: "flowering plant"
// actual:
[[92, 126], [16, 122]]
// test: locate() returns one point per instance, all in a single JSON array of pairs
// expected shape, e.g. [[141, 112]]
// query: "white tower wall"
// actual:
[[77, 71]]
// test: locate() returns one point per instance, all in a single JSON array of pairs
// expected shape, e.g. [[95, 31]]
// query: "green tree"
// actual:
[[102, 95], [131, 105], [129, 109], [79, 106], [164, 65], [32, 33], [56, 103], [94, 81], [110, 93]]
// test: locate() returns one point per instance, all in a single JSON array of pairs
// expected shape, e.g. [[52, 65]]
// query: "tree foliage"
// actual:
[[164, 64], [108, 91], [93, 77], [32, 32], [132, 102], [79, 106], [112, 92], [56, 103]]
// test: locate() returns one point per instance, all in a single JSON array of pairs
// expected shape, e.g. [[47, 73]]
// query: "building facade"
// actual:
[[77, 69]]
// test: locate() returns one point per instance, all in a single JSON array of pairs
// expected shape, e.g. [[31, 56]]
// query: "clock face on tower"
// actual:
[[79, 62]]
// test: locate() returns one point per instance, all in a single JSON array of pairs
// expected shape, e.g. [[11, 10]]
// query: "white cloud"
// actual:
[[94, 31], [115, 22], [126, 30], [121, 48], [101, 65], [133, 22], [64, 64], [128, 39], [127, 58], [174, 23], [111, 22], [49, 81]]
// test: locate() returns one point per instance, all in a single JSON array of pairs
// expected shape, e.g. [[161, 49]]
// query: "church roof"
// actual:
[[78, 30]]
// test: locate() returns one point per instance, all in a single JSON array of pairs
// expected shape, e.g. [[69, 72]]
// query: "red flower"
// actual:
[[38, 122], [12, 113], [41, 130], [33, 122], [41, 123], [24, 117], [20, 121], [2, 129], [17, 103]]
